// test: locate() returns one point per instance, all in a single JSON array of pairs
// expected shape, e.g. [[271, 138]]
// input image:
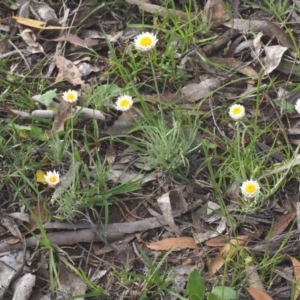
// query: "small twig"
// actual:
[[40, 113]]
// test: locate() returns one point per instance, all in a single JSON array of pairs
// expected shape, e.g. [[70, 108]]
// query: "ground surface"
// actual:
[[149, 202]]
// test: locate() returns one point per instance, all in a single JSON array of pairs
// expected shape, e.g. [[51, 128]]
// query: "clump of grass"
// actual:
[[169, 147]]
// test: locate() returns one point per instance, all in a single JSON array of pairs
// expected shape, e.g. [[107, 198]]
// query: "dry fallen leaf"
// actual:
[[162, 11], [64, 113], [176, 243], [70, 283], [258, 294], [219, 241], [75, 40], [253, 278], [22, 287], [283, 38], [296, 265], [228, 250], [249, 25], [281, 223], [68, 70], [40, 211], [193, 91], [36, 24], [233, 63]]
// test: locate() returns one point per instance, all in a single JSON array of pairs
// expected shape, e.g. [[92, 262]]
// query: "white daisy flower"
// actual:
[[297, 106], [237, 112], [250, 188], [123, 103], [52, 178], [70, 96], [145, 41]]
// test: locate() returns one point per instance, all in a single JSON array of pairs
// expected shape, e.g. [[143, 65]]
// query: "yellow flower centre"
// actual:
[[70, 96], [146, 41], [237, 110], [250, 188], [124, 103], [53, 178]]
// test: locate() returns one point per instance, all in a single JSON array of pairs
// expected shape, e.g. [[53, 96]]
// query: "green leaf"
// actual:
[[195, 286], [224, 293], [106, 90], [289, 107], [211, 296], [48, 97]]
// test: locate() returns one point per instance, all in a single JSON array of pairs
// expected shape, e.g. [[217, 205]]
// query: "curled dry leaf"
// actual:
[[42, 11], [257, 43], [273, 58], [215, 12], [209, 234], [176, 243], [177, 201], [164, 203], [8, 222], [29, 38]]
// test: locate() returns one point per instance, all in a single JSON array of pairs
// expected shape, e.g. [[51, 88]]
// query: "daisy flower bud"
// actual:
[[145, 41], [52, 178], [237, 112], [297, 106], [70, 96], [250, 188], [124, 103]]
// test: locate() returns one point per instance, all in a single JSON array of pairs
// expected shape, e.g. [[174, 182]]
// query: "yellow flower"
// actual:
[[237, 112], [297, 106], [145, 41], [124, 103], [250, 188], [70, 96], [52, 178]]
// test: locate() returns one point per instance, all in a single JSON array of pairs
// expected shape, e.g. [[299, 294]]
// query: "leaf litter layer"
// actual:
[[178, 187]]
